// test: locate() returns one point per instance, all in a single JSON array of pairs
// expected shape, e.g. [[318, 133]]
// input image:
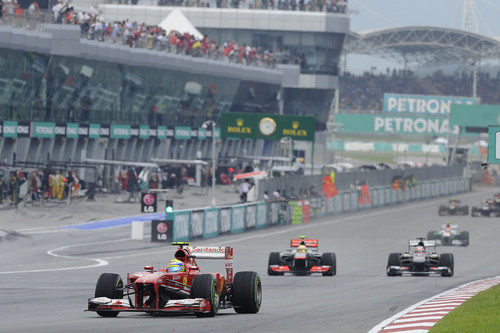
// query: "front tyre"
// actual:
[[109, 285], [205, 286], [274, 259], [394, 260], [246, 292], [329, 259], [447, 260]]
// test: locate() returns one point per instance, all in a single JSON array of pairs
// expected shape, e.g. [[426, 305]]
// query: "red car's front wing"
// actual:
[[179, 305], [288, 269]]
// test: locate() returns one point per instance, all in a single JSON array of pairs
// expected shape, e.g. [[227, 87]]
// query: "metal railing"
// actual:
[[329, 6]]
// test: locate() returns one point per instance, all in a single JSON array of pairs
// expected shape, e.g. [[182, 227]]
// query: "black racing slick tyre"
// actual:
[[394, 260], [464, 236], [247, 292], [329, 259], [430, 235], [446, 259], [443, 210], [205, 286], [274, 259], [109, 285]]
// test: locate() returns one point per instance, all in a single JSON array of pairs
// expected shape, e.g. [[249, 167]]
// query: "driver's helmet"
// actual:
[[448, 226], [419, 249], [176, 266], [301, 249]]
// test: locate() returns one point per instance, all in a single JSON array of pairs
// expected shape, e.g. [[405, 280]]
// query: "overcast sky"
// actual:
[[380, 14]]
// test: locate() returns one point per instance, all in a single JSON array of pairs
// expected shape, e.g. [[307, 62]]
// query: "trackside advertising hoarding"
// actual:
[[267, 126], [423, 104], [388, 124]]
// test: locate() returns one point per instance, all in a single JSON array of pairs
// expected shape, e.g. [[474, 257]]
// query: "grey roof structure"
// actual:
[[421, 44]]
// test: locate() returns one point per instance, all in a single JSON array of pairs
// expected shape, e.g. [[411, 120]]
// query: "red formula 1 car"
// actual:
[[180, 287], [302, 259]]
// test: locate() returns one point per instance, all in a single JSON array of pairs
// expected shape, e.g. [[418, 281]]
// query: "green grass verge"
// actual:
[[481, 313]]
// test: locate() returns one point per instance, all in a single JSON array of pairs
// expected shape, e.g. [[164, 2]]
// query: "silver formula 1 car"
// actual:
[[421, 259], [449, 235]]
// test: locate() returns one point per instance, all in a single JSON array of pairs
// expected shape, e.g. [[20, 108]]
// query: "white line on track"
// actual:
[[98, 262]]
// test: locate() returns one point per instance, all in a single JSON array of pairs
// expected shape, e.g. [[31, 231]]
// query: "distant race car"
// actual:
[[180, 287], [302, 259], [449, 235], [487, 208], [421, 259], [453, 208]]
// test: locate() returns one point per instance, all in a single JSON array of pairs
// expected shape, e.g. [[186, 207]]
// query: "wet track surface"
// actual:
[[46, 278]]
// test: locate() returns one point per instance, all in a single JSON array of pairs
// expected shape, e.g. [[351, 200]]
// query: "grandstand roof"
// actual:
[[421, 44]]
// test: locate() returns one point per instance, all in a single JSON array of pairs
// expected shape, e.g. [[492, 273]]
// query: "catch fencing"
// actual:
[[215, 221], [345, 180]]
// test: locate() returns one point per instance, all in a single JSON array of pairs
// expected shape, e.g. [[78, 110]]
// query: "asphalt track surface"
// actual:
[[46, 278]]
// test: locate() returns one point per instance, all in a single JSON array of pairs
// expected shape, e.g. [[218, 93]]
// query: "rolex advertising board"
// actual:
[[422, 104], [267, 126]]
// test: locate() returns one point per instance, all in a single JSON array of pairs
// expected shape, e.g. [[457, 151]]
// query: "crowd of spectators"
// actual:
[[366, 92], [138, 35], [155, 38]]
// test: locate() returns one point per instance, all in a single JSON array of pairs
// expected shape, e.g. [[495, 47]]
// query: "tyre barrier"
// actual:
[[215, 221]]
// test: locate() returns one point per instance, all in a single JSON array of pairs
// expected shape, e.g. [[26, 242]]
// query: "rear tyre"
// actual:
[[246, 292], [274, 259], [394, 260], [465, 210], [447, 260], [464, 235], [329, 259], [109, 285], [205, 286], [443, 210]]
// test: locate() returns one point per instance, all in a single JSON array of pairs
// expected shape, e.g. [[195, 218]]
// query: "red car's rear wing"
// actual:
[[307, 241], [214, 252]]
